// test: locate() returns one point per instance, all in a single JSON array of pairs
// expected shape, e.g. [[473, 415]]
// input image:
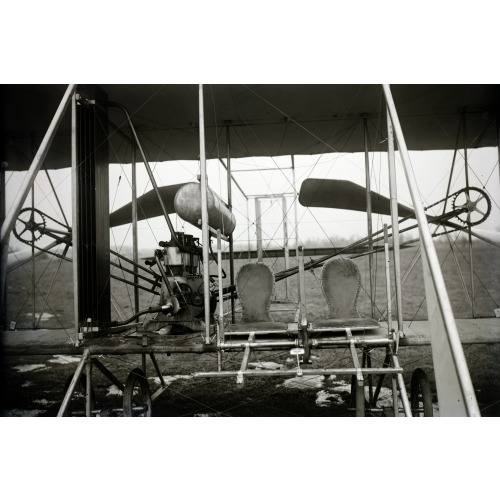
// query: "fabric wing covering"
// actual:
[[265, 120]]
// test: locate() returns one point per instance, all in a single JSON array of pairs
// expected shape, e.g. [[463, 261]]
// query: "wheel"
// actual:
[[420, 394], [76, 405], [136, 395]]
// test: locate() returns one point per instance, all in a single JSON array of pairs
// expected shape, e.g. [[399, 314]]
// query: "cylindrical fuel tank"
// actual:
[[187, 205]]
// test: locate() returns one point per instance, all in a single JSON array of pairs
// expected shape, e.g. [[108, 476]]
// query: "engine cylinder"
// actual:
[[187, 204]]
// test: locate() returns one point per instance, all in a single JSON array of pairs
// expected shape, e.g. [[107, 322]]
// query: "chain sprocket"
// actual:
[[471, 205], [34, 224]]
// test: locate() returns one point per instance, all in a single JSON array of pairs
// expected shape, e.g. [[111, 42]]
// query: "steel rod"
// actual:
[[435, 268], [369, 214], [395, 224], [135, 244], [72, 386], [204, 216], [38, 160]]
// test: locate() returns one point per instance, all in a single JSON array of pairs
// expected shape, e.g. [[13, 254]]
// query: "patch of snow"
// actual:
[[29, 368], [64, 360], [266, 365], [22, 413], [305, 382], [45, 316], [113, 391], [28, 383], [169, 379], [43, 402], [323, 398]]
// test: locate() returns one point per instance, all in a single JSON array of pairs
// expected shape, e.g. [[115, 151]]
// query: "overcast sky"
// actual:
[[431, 168]]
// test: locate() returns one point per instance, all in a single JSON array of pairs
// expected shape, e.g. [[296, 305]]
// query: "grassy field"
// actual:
[[35, 384]]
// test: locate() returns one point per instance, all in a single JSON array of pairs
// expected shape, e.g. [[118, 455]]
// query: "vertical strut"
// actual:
[[135, 247], [258, 229], [74, 216], [395, 226], [469, 230], [230, 206], [285, 240], [204, 217], [369, 216]]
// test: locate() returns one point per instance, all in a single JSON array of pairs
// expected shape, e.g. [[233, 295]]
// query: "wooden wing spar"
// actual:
[[345, 195]]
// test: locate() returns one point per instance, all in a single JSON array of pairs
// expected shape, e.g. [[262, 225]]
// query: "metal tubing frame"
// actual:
[[395, 224], [305, 372], [37, 162], [435, 268], [204, 215]]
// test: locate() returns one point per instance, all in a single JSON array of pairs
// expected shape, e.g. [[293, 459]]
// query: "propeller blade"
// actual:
[[346, 195], [148, 206]]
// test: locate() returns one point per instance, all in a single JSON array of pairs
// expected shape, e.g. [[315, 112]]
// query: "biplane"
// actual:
[[87, 127]]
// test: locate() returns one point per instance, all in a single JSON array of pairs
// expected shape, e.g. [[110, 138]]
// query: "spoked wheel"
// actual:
[[420, 392], [136, 395], [77, 403]]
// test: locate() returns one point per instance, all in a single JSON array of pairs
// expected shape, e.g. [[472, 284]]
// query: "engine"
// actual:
[[181, 265]]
